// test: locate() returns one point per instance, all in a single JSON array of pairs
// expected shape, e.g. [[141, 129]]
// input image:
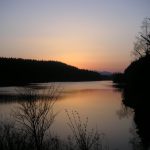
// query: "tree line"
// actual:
[[22, 71], [138, 72]]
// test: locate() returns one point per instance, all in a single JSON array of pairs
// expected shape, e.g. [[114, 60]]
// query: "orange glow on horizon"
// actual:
[[73, 51], [91, 35]]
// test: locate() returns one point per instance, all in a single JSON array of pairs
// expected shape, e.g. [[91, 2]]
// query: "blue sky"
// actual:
[[92, 34]]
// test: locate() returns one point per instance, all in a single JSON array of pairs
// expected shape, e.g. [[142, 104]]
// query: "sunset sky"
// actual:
[[91, 34]]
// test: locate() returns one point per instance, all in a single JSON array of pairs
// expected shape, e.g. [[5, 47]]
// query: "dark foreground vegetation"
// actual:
[[22, 71]]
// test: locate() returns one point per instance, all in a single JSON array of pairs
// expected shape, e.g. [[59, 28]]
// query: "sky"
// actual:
[[90, 34]]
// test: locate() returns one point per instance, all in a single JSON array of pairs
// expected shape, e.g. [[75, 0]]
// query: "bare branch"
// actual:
[[36, 114]]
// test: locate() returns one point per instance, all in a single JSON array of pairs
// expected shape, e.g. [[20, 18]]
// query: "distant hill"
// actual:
[[22, 71], [106, 73]]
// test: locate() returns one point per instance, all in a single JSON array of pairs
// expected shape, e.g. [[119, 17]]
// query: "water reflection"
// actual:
[[98, 101], [138, 100]]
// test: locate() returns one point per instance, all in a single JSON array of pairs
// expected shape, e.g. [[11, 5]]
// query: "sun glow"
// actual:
[[92, 35]]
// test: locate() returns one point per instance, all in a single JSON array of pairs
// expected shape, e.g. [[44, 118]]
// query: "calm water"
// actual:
[[99, 101]]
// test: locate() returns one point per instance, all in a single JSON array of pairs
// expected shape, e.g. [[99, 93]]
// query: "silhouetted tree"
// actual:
[[142, 44], [85, 139], [36, 116]]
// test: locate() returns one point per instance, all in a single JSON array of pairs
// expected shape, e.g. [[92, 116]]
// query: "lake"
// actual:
[[99, 101]]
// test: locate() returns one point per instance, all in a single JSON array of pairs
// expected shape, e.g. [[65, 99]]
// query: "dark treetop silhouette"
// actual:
[[136, 81], [138, 72]]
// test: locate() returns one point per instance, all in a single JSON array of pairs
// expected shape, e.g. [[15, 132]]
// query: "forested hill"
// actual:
[[136, 75], [138, 72], [22, 71]]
